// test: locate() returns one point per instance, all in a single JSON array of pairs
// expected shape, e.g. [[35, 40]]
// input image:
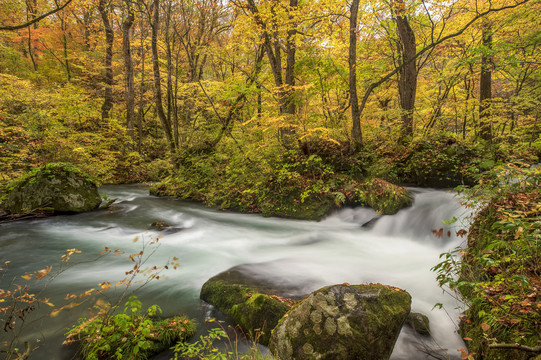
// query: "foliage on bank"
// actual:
[[311, 179], [499, 274], [45, 124]]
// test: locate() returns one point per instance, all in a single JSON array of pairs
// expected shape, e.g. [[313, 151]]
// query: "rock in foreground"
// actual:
[[250, 301], [60, 187], [343, 322]]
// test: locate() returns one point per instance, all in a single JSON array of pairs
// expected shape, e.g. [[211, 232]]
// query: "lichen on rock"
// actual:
[[57, 186], [342, 322]]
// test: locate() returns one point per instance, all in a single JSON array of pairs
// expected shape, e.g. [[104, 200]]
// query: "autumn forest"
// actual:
[[294, 108]]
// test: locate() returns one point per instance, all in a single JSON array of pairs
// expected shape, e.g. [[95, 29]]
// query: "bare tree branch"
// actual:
[[35, 20]]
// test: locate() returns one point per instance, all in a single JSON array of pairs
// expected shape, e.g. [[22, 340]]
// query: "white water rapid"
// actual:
[[397, 250]]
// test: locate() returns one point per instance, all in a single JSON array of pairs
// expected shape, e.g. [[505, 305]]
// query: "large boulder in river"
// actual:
[[253, 303], [384, 197], [57, 186], [343, 322]]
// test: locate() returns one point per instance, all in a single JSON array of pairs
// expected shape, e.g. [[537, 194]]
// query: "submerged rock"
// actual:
[[165, 228], [251, 302], [313, 207], [342, 322], [158, 225], [419, 323], [60, 187]]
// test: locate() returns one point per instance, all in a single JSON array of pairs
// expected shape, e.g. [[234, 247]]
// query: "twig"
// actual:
[[26, 24], [516, 347]]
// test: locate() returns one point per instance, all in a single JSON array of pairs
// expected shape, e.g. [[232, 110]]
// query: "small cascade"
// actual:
[[352, 245]]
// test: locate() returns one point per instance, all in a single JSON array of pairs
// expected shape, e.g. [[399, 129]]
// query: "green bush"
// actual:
[[130, 334], [498, 273]]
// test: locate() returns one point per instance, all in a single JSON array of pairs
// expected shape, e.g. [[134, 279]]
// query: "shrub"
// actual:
[[130, 334]]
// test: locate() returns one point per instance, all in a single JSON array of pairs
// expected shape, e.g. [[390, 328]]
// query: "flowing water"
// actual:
[[398, 250]]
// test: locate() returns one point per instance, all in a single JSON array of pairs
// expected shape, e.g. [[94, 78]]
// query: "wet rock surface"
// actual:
[[57, 187], [342, 322]]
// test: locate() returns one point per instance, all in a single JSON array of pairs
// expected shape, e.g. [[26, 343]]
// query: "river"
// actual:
[[397, 250]]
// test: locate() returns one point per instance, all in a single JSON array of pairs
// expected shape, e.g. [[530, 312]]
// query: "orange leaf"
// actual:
[[42, 273]]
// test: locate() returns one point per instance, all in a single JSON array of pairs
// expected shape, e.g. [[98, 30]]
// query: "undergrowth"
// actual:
[[498, 274], [131, 334]]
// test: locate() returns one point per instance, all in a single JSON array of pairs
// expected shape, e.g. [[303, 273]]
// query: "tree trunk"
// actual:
[[170, 103], [166, 126], [142, 89], [31, 11], [288, 94], [109, 38], [272, 48], [65, 45], [356, 133], [407, 77], [128, 69], [290, 64], [87, 21], [485, 85]]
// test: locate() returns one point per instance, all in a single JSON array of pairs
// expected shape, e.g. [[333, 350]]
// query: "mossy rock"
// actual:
[[342, 322], [57, 186], [314, 207], [255, 305], [384, 197], [437, 162], [419, 323]]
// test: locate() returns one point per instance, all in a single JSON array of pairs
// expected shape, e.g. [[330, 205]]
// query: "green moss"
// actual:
[[60, 186], [384, 197], [256, 312], [342, 322], [313, 207], [439, 161], [419, 323]]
